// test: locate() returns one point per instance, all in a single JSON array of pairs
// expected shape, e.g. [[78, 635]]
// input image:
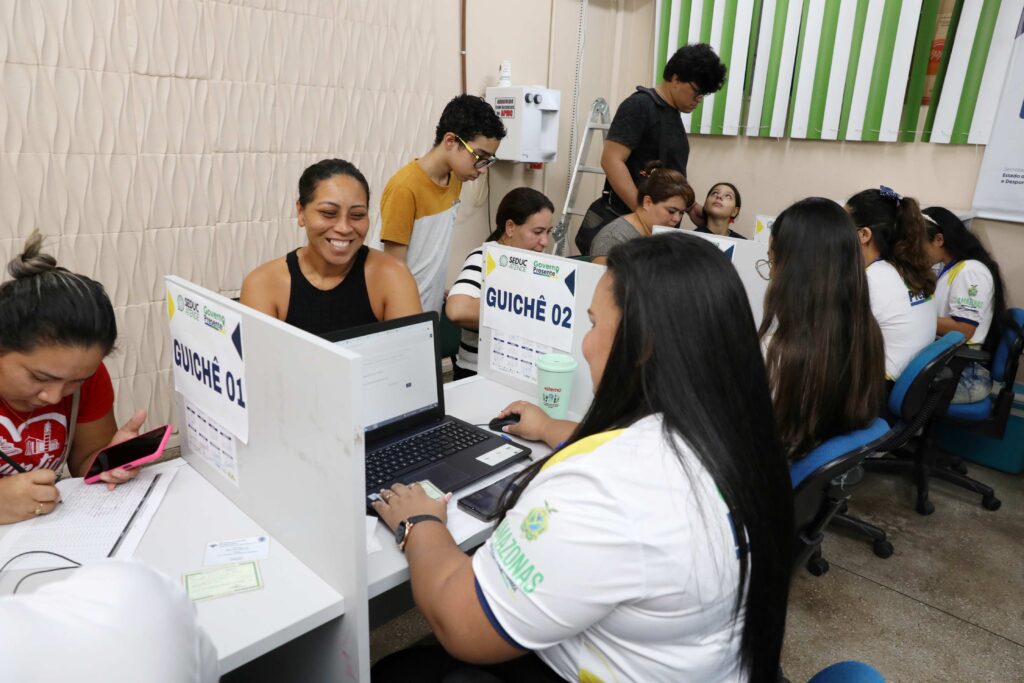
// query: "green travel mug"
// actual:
[[554, 379]]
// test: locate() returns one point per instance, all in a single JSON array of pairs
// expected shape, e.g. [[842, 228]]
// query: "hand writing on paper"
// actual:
[[27, 494]]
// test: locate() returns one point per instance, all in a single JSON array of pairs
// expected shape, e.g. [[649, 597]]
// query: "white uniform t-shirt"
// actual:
[[615, 565], [469, 283], [965, 293], [907, 319]]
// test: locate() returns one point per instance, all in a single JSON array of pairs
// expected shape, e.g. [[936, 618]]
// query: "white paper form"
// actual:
[[91, 523]]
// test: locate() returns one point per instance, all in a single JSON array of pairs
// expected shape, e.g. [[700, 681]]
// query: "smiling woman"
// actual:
[[335, 281]]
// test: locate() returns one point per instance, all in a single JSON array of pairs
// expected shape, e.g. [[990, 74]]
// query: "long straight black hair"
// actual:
[[962, 244], [687, 349], [825, 353]]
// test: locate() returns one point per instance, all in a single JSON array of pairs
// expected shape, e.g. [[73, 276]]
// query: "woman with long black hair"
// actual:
[[970, 294], [823, 346], [655, 545]]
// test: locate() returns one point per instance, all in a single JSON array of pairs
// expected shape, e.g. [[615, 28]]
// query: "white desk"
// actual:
[[475, 400], [292, 601]]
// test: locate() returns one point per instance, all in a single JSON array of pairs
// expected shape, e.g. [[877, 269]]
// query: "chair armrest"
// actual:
[[965, 355]]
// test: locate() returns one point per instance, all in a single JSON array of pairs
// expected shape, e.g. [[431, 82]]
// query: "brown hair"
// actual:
[[660, 183], [898, 231]]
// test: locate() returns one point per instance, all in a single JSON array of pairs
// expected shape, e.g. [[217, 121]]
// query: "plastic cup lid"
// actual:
[[556, 362]]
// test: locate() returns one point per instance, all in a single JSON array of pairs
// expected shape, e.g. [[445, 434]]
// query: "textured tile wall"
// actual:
[[153, 137]]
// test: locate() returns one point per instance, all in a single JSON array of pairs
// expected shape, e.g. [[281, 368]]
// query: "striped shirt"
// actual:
[[469, 283]]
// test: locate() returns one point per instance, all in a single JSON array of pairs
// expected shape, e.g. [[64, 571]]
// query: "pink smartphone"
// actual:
[[129, 454]]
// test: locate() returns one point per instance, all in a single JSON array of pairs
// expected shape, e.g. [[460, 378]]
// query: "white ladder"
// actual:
[[598, 121]]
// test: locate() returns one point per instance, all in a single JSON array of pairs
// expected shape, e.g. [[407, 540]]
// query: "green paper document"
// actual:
[[223, 580]]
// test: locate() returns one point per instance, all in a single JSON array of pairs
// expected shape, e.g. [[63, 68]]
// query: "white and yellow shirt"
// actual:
[[617, 565], [965, 293]]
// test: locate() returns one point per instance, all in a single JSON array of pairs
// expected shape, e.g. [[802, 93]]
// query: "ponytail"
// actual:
[[46, 304], [898, 231]]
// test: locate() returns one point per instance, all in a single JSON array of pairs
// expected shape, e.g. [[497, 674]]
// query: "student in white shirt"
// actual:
[[523, 221], [970, 294], [900, 278], [656, 545]]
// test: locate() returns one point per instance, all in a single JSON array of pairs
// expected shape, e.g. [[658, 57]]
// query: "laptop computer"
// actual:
[[408, 436]]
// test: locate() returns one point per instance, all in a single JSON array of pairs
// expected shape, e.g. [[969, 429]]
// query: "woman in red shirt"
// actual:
[[56, 398]]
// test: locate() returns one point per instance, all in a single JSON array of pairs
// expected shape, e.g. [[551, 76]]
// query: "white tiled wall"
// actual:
[[148, 137]]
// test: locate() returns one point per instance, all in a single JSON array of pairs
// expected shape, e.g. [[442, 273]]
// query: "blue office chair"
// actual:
[[923, 390], [848, 672], [989, 417], [822, 482]]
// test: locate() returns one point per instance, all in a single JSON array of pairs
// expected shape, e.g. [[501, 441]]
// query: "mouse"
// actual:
[[499, 422]]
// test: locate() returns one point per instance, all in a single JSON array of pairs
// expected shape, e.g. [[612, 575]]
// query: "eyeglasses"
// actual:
[[698, 94], [764, 268], [481, 162]]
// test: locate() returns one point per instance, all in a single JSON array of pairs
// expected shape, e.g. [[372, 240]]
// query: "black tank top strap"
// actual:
[[320, 311]]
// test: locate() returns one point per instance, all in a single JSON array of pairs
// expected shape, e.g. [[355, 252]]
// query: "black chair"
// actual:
[[923, 391], [822, 482]]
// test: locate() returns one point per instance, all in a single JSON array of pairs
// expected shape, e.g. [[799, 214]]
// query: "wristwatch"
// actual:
[[405, 526]]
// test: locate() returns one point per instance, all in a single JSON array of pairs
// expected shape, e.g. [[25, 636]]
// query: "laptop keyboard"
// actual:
[[387, 464]]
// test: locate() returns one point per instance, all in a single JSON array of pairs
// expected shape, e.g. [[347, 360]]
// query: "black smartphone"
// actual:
[[483, 504]]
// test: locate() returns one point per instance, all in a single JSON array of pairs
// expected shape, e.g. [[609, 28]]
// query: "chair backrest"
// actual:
[[1007, 356], [812, 475], [450, 336], [924, 376]]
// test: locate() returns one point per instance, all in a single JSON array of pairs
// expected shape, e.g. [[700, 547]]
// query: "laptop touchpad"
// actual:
[[442, 476]]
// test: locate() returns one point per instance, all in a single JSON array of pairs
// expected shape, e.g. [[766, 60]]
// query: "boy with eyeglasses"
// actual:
[[420, 203], [647, 127]]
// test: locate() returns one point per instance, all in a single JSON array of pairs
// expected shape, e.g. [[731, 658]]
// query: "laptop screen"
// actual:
[[399, 371]]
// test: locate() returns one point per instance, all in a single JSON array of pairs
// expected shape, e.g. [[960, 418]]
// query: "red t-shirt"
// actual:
[[38, 441]]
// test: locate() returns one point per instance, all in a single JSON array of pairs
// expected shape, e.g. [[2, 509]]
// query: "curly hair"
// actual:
[[698, 64], [469, 116]]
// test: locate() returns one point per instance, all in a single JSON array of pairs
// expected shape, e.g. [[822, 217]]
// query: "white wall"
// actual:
[[149, 137]]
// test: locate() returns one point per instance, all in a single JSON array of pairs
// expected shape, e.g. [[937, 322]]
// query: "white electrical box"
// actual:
[[530, 114]]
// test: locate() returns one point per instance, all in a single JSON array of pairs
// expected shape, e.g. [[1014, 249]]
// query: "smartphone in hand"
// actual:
[[129, 454]]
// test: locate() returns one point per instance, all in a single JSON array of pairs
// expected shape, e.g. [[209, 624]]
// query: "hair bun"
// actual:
[[32, 261]]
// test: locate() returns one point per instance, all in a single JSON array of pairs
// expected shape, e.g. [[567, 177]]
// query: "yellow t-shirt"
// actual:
[[419, 213]]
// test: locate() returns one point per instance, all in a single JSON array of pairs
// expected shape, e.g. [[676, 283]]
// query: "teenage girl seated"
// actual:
[[970, 293], [823, 347], [721, 207], [663, 196], [523, 221], [656, 544], [56, 398], [900, 278], [335, 281]]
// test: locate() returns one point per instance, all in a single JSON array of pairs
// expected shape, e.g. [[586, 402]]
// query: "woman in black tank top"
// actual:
[[334, 281], [320, 311]]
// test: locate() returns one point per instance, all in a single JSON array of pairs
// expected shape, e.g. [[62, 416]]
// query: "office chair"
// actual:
[[923, 390], [988, 417], [451, 334], [822, 482], [848, 672]]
